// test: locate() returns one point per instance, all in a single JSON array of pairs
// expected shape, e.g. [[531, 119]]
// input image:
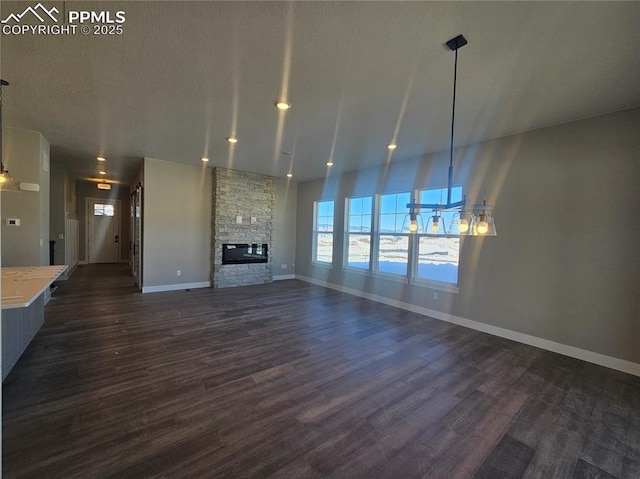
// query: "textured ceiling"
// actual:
[[185, 75]]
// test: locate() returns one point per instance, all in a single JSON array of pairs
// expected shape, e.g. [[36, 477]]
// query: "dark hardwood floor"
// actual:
[[291, 380]]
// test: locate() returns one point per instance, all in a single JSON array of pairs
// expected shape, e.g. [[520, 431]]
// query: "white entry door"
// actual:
[[103, 231]]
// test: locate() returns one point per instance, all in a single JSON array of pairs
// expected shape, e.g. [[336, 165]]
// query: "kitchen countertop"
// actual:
[[22, 285]]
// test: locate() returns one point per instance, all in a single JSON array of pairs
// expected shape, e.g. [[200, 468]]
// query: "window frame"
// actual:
[[375, 264], [410, 277], [426, 282], [316, 232], [347, 235]]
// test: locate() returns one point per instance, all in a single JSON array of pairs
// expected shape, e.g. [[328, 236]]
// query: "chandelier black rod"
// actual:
[[453, 120], [2, 83], [454, 44]]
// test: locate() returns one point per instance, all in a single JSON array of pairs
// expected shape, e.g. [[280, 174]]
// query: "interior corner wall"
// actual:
[[88, 189], [70, 196], [176, 225], [26, 156], [44, 180], [565, 264], [283, 250], [57, 211]]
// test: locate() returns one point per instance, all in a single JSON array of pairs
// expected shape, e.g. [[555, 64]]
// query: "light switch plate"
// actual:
[[238, 219], [254, 220]]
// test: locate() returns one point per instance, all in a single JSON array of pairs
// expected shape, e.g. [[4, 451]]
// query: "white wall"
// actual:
[[176, 225]]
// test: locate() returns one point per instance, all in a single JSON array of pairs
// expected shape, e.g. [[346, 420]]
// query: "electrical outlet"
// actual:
[[178, 273], [435, 295], [284, 266]]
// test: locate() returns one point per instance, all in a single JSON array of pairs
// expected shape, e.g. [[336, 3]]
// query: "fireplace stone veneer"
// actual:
[[251, 197]]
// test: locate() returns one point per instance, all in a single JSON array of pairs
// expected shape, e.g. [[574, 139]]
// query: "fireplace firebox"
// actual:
[[244, 253]]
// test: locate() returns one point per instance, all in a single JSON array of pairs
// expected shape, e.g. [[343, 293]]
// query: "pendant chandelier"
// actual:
[[6, 182], [467, 220]]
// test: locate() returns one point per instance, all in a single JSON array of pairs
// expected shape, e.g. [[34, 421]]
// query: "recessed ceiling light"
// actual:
[[329, 163], [392, 146], [204, 159], [101, 158], [102, 172], [232, 139], [283, 105], [289, 175]]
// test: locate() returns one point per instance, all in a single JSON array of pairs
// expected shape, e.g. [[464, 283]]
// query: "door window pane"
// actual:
[[103, 210]]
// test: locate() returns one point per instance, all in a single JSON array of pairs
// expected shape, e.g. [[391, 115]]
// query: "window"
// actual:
[[358, 233], [392, 240], [102, 210], [377, 241], [323, 232], [437, 258]]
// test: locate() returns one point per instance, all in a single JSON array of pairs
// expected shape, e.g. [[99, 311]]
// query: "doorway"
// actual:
[[103, 231]]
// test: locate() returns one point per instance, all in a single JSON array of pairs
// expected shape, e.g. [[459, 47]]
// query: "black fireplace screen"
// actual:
[[244, 253]]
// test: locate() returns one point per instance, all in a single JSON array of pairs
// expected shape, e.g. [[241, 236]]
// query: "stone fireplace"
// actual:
[[242, 213]]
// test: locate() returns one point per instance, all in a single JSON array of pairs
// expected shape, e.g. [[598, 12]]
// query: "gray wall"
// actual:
[[70, 195], [283, 250], [566, 261], [57, 205], [88, 189], [176, 223], [44, 180], [26, 156]]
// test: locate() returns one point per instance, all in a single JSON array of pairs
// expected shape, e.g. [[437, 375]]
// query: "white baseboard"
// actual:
[[280, 277], [564, 349], [175, 287]]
